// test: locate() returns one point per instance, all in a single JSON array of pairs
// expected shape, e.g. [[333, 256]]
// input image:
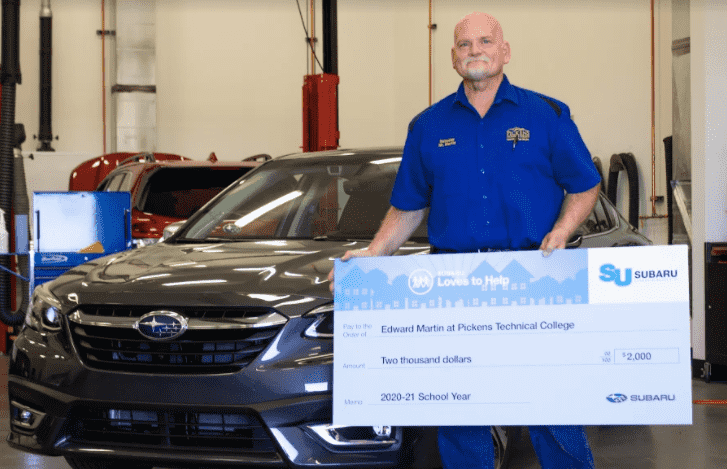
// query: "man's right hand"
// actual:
[[396, 228], [348, 255]]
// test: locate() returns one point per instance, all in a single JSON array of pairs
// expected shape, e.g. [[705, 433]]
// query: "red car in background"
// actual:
[[165, 188]]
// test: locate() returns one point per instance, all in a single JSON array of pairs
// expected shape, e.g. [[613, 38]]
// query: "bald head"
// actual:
[[479, 50], [481, 21]]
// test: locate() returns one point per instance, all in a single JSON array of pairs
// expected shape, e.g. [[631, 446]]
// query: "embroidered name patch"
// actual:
[[447, 142]]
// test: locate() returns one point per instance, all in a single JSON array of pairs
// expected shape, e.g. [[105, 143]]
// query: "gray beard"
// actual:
[[478, 74]]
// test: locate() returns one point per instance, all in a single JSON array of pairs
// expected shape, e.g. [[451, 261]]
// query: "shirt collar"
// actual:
[[504, 91]]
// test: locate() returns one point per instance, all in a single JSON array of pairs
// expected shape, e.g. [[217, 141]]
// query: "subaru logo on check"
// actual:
[[161, 325], [616, 398]]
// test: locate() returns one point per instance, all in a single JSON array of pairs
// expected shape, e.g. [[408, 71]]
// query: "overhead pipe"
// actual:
[[654, 198], [431, 28], [330, 37], [135, 83], [330, 52], [312, 37], [10, 76], [103, 71], [45, 133]]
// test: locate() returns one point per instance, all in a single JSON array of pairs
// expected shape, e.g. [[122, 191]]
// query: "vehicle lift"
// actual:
[[320, 92]]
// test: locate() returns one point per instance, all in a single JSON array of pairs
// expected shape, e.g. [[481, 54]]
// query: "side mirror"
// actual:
[[261, 157], [172, 228], [574, 241]]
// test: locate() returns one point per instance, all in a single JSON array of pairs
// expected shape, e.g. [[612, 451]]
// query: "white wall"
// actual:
[[229, 73], [229, 77], [709, 146], [76, 75]]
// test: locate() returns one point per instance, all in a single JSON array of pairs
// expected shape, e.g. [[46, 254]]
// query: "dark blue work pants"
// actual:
[[557, 447]]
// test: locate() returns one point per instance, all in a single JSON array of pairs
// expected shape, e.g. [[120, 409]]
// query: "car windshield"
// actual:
[[179, 192], [291, 199]]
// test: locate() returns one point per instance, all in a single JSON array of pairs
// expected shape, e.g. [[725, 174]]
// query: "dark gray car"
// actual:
[[215, 347]]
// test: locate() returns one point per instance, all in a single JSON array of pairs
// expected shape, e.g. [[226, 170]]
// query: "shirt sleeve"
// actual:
[[573, 166], [412, 189]]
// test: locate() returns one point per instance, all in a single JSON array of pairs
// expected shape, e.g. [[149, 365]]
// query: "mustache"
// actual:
[[468, 60]]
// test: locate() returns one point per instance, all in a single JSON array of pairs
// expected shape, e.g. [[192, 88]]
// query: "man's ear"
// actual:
[[506, 52], [454, 58]]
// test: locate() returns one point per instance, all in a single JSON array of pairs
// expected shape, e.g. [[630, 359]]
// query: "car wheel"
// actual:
[[504, 439], [85, 462]]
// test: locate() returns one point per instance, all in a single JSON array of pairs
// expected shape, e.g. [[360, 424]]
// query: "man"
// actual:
[[492, 162]]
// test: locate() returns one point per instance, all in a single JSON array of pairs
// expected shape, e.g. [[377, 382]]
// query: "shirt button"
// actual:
[[482, 170], [487, 223], [484, 196], [482, 146]]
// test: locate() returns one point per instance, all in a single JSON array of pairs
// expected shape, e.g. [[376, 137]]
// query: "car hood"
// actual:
[[255, 273]]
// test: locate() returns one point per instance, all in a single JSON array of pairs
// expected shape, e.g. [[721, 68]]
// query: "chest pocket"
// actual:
[[448, 165], [527, 162]]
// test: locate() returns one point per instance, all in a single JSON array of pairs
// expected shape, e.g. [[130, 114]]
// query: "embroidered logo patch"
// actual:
[[447, 142], [518, 134]]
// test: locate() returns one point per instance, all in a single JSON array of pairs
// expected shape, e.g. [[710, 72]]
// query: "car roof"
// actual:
[[142, 167], [347, 155], [186, 164]]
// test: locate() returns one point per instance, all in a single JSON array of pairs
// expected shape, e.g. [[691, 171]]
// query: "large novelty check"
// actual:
[[587, 336]]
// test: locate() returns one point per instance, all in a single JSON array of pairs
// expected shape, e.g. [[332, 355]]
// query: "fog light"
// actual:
[[354, 437], [24, 416]]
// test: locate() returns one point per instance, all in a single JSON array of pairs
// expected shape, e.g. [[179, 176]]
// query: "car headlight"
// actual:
[[141, 242], [44, 311], [322, 327]]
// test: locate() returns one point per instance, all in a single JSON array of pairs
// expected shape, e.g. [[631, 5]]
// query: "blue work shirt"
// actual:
[[492, 182]]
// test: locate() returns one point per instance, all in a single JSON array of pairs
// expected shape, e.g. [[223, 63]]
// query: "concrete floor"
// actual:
[[703, 445]]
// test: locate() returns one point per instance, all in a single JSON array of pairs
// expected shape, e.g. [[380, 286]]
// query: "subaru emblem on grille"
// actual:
[[161, 325]]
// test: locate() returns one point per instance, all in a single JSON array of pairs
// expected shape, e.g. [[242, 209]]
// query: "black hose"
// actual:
[[625, 162], [7, 184], [21, 205], [10, 77], [669, 189], [45, 133]]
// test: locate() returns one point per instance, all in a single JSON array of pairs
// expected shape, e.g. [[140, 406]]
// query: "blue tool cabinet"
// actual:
[[71, 228]]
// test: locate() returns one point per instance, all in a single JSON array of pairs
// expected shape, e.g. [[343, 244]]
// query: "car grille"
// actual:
[[201, 313], [198, 351], [172, 429]]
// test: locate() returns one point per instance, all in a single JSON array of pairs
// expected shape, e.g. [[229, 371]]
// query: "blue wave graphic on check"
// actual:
[[462, 280]]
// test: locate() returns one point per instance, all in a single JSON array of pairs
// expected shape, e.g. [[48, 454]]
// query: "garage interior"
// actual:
[[643, 78]]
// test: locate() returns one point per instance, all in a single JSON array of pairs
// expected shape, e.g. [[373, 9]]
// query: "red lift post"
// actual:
[[320, 92], [320, 112]]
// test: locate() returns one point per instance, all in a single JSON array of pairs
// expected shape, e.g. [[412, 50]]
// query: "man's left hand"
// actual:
[[556, 239], [576, 208]]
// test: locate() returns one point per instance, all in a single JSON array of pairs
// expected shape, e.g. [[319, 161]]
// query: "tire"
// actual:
[[427, 456], [504, 439], [599, 167], [85, 462], [625, 162]]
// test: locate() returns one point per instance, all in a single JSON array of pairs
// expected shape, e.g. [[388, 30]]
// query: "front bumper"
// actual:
[[260, 416]]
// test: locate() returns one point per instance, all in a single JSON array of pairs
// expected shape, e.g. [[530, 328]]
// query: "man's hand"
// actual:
[[395, 229], [576, 208], [348, 255], [556, 239]]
